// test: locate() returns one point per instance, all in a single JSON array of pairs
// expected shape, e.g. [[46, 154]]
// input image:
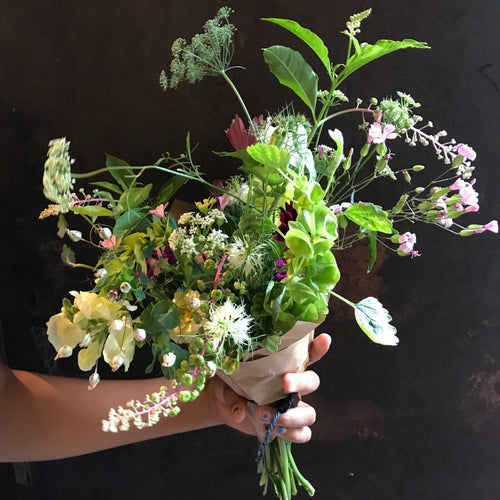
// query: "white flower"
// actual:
[[168, 360], [244, 254], [229, 320], [64, 352]]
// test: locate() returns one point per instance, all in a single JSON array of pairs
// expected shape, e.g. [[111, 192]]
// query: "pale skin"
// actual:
[[43, 417]]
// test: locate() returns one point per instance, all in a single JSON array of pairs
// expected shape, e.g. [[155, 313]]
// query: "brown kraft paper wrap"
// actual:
[[259, 376]]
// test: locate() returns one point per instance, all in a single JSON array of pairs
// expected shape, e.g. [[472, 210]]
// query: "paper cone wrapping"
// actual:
[[259, 376]]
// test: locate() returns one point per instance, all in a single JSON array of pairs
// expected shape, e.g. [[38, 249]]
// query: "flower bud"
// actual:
[[101, 273], [168, 360], [125, 287], [117, 325], [74, 235], [87, 339], [116, 362], [94, 379], [139, 334], [105, 233], [64, 352]]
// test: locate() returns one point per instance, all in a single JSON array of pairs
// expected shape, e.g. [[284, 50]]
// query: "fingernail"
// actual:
[[281, 430], [264, 416]]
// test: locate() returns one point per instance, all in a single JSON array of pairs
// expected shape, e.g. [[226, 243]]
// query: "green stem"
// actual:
[[343, 299], [240, 99]]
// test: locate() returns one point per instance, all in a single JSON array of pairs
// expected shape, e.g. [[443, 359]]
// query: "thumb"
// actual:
[[233, 407]]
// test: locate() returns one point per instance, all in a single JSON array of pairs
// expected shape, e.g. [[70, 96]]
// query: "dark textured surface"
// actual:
[[420, 421]]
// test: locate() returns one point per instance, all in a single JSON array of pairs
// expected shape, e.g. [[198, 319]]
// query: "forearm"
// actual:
[[44, 417]]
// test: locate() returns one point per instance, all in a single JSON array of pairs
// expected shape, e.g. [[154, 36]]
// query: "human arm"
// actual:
[[43, 417]]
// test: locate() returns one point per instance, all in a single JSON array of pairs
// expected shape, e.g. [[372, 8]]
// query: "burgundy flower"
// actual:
[[280, 270], [153, 264], [287, 214]]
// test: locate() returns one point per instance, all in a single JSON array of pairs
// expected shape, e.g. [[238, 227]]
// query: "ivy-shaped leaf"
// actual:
[[374, 319], [369, 216]]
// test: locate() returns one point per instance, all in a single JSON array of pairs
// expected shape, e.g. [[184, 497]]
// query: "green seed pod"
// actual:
[[186, 379], [196, 345], [185, 396], [364, 150], [196, 360], [194, 394], [209, 265], [216, 295], [174, 411], [184, 366], [210, 347], [201, 285], [417, 168]]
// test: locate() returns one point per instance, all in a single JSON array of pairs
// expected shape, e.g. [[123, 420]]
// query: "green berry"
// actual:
[[216, 295], [184, 396], [196, 360]]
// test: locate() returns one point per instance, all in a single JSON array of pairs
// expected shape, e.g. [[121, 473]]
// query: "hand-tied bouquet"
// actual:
[[208, 288]]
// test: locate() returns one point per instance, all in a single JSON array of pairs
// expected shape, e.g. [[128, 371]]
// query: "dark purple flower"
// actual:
[[153, 268], [280, 269], [287, 214]]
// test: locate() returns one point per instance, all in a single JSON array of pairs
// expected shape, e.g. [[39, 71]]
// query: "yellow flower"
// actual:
[[188, 304], [93, 306], [61, 331], [120, 344]]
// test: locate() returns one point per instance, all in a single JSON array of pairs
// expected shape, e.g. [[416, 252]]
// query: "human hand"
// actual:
[[295, 423]]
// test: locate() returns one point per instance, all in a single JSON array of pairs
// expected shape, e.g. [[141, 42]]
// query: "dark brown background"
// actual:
[[412, 422]]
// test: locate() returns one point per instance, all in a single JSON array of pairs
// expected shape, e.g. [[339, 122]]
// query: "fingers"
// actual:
[[294, 425], [304, 382], [319, 347]]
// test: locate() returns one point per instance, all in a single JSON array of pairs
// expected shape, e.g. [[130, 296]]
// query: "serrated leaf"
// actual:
[[307, 36], [374, 319], [269, 154], [292, 70], [369, 216]]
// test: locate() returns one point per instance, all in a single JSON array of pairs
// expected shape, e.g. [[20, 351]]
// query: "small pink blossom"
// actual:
[[466, 151], [159, 210], [377, 135], [337, 209], [491, 226], [468, 195], [414, 253], [406, 242], [471, 208], [109, 242], [223, 201]]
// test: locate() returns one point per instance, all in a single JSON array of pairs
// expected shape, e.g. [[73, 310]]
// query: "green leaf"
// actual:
[[292, 70], [163, 315], [372, 250], [269, 154], [307, 36], [124, 176], [108, 185], [365, 52], [170, 188], [61, 226], [67, 255], [299, 243], [133, 197], [369, 216], [92, 211], [374, 319], [129, 219]]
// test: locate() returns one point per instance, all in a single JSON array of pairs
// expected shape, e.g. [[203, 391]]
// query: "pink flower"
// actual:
[[223, 201], [466, 151], [491, 226], [109, 242], [159, 210], [238, 135], [468, 194], [406, 242], [414, 253], [377, 135], [337, 209]]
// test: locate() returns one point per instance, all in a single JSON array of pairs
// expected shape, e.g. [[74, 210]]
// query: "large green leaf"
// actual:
[[133, 197], [170, 188], [374, 320], [366, 52], [369, 216], [269, 154], [292, 70], [129, 219], [307, 36]]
